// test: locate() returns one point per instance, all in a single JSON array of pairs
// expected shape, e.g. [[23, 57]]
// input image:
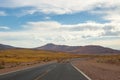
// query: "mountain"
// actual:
[[4, 47], [89, 49]]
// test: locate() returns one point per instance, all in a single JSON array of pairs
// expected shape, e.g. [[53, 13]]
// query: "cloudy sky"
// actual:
[[32, 23]]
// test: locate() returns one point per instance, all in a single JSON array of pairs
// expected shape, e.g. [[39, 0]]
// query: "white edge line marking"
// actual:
[[17, 70], [21, 69], [81, 72]]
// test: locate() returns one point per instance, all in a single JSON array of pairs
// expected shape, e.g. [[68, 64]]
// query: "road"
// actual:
[[53, 71]]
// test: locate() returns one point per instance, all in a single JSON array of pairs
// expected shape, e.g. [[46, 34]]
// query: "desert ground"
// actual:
[[15, 59], [100, 68], [97, 67]]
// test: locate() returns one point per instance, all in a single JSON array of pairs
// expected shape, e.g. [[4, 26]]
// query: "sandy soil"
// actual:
[[23, 66], [98, 71]]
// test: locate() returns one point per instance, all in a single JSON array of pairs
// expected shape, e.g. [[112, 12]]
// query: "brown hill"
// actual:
[[90, 49], [4, 47]]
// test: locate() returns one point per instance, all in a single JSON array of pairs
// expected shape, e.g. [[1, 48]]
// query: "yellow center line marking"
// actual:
[[44, 73]]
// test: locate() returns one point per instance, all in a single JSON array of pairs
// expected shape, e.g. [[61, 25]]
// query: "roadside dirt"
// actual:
[[98, 71]]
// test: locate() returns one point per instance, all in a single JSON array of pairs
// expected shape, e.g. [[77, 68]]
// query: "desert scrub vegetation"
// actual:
[[2, 64], [112, 59], [18, 56], [2, 67]]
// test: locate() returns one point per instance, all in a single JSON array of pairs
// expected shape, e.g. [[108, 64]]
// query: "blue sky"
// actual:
[[32, 23]]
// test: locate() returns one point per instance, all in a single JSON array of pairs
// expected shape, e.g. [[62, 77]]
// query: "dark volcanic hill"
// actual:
[[90, 49], [4, 47]]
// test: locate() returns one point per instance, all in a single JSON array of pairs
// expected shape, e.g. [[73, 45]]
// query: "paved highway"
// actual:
[[53, 71]]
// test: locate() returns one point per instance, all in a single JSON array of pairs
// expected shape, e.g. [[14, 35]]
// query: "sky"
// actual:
[[33, 23]]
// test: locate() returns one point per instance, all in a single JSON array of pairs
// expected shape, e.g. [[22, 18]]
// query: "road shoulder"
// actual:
[[98, 71], [20, 68]]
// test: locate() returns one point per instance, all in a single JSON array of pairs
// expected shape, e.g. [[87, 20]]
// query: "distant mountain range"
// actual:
[[90, 49], [4, 47]]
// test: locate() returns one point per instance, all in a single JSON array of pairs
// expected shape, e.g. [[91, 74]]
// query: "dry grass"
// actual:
[[15, 57], [111, 59], [20, 56]]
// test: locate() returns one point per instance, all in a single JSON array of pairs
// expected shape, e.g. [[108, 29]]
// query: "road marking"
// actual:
[[17, 70], [81, 72], [44, 73], [24, 69]]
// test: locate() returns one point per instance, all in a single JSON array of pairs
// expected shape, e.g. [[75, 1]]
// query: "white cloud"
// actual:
[[92, 29], [25, 12], [113, 43], [110, 9], [38, 33], [54, 6], [42, 25], [47, 18], [57, 6], [52, 31], [2, 13], [113, 16], [4, 28]]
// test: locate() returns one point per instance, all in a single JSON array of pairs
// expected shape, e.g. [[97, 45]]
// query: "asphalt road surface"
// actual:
[[53, 71]]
